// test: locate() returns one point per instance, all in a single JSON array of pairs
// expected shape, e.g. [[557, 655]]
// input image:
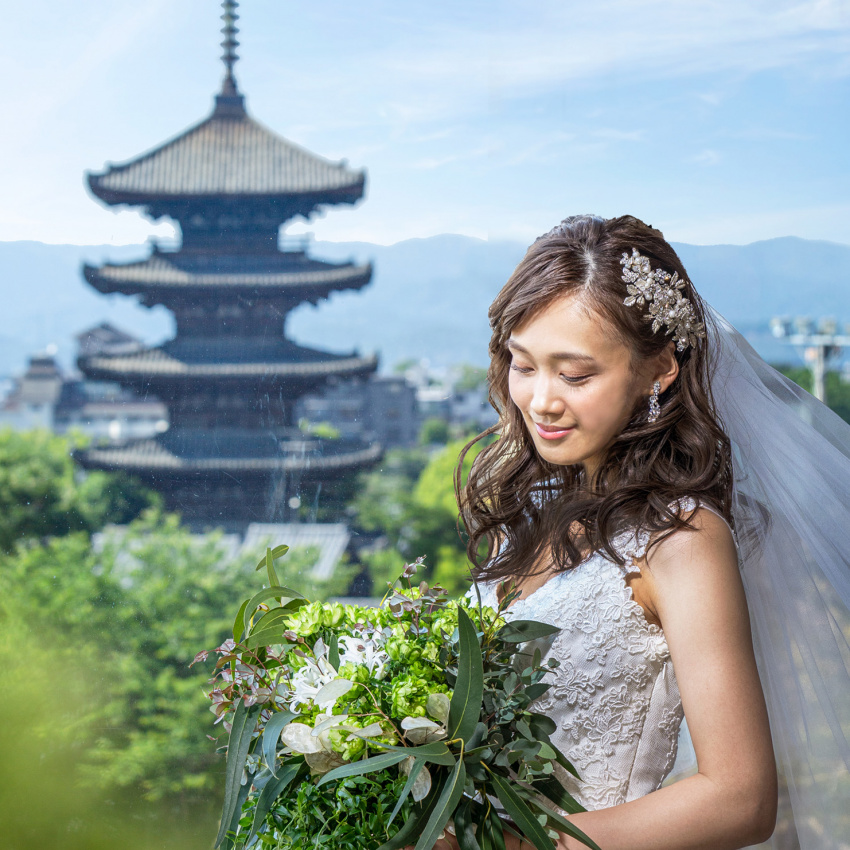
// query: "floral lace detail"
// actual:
[[614, 696]]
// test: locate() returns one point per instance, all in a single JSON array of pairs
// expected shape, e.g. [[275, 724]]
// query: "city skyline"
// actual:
[[715, 121]]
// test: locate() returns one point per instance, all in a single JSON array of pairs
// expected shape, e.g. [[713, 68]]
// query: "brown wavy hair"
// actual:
[[522, 514]]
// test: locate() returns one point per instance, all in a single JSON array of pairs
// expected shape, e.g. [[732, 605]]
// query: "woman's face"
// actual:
[[573, 381]]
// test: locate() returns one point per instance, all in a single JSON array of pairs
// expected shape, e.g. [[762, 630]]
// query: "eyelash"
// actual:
[[570, 380]]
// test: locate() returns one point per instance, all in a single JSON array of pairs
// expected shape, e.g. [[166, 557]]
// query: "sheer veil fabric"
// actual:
[[791, 510]]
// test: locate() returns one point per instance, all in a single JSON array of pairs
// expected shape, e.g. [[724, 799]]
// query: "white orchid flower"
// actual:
[[363, 651], [308, 680]]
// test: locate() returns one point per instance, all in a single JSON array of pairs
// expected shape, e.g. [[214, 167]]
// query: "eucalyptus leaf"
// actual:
[[522, 816], [414, 825], [465, 706], [269, 794], [271, 735], [408, 787], [379, 762], [277, 552], [498, 831], [464, 827], [445, 807], [570, 828], [436, 752], [239, 743], [239, 622], [333, 652], [519, 631], [229, 838]]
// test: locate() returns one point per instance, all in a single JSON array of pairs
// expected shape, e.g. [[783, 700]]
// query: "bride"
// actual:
[[637, 497]]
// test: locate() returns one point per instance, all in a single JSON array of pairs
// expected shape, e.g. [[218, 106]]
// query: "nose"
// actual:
[[546, 402]]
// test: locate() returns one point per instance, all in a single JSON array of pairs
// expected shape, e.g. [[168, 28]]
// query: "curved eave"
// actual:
[[164, 368], [134, 279], [308, 198], [148, 456]]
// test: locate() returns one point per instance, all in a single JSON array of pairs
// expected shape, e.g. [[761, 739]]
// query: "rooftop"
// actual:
[[153, 455], [221, 358], [227, 154], [194, 271]]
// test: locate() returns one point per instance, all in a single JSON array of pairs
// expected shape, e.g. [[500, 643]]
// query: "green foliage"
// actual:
[[434, 431], [345, 815], [470, 377], [133, 616], [42, 494], [413, 503], [837, 389], [45, 711]]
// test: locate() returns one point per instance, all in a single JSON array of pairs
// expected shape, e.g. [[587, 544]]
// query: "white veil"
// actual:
[[791, 508]]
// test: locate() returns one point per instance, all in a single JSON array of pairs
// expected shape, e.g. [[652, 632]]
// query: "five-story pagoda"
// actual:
[[230, 377]]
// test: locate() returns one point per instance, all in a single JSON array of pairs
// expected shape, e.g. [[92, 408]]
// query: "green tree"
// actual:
[[133, 613], [837, 389], [414, 505], [434, 431], [43, 494]]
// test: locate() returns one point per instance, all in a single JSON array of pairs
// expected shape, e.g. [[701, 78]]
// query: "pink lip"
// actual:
[[552, 432]]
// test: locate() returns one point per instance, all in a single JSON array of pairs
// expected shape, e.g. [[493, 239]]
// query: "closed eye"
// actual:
[[580, 379], [522, 369]]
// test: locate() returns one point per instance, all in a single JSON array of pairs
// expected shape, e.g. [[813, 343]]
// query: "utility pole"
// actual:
[[820, 343]]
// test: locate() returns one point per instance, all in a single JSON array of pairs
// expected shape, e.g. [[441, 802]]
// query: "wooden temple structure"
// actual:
[[233, 453]]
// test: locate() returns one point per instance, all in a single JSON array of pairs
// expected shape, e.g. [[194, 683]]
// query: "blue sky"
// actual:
[[715, 120]]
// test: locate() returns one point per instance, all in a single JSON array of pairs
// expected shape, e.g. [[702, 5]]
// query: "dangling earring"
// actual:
[[654, 407]]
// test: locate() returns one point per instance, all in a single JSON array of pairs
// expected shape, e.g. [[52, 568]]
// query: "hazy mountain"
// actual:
[[428, 298]]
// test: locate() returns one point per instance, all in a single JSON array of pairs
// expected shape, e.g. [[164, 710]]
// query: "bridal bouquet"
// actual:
[[362, 728]]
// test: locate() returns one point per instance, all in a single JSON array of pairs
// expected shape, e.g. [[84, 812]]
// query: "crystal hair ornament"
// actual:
[[662, 292]]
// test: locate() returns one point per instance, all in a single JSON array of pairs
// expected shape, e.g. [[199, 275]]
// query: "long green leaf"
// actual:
[[237, 752], [521, 814], [229, 840], [498, 831], [414, 825], [277, 552], [273, 579], [268, 629], [436, 752], [271, 791], [355, 768], [408, 787], [465, 706], [333, 652], [464, 823], [271, 734], [519, 631], [554, 791], [446, 805], [239, 622], [566, 826]]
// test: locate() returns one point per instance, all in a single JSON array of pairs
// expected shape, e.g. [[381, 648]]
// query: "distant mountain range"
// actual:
[[428, 298]]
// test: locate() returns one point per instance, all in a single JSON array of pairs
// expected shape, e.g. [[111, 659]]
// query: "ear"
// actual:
[[667, 367]]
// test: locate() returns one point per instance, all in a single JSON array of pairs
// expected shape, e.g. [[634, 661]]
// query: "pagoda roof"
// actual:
[[154, 456], [203, 359], [194, 271], [228, 154]]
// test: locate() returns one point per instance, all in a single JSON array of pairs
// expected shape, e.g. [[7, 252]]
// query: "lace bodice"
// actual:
[[614, 696]]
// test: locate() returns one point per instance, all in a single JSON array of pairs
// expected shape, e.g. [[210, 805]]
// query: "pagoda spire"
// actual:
[[230, 101]]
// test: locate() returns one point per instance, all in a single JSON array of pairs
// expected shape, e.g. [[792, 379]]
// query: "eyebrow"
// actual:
[[559, 355]]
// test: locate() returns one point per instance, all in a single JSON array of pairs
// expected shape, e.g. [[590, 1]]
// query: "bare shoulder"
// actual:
[[693, 570], [708, 544]]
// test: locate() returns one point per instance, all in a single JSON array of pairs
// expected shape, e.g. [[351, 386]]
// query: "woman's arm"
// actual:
[[694, 587]]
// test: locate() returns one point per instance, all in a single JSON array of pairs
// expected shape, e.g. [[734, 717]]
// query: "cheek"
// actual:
[[516, 391]]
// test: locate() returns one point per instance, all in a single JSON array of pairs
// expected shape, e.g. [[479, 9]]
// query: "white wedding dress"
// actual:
[[614, 696]]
